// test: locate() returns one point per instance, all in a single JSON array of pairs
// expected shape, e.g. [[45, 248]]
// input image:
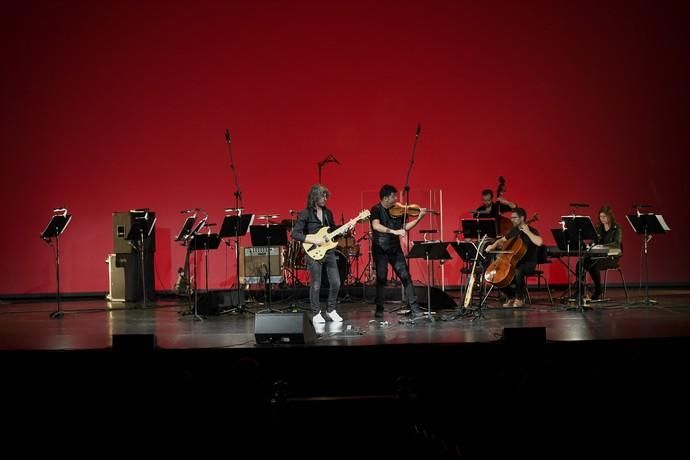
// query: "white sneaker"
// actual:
[[318, 319], [335, 316]]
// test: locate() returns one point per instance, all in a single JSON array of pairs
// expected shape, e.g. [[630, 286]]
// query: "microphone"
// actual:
[[578, 205], [334, 159], [419, 129], [227, 135], [187, 211], [342, 219]]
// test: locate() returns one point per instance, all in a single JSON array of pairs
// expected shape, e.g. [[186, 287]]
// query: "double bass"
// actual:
[[503, 224], [501, 271]]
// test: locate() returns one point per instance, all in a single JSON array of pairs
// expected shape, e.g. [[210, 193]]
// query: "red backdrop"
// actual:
[[108, 106]]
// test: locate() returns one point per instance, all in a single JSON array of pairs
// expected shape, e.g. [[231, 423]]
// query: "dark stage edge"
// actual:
[[608, 381]]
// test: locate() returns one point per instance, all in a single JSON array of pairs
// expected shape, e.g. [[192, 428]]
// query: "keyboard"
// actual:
[[597, 250]]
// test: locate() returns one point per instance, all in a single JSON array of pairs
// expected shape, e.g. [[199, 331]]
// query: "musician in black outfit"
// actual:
[[386, 249], [525, 266], [489, 208], [310, 220], [609, 235]]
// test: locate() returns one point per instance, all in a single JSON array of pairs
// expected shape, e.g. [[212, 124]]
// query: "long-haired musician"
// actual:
[[610, 235], [310, 220]]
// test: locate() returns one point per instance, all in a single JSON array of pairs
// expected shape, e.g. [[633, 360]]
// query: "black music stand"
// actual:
[[476, 228], [563, 243], [429, 250], [203, 242], [236, 226], [576, 230], [647, 225], [467, 250], [58, 223], [186, 230], [470, 253], [269, 235], [143, 223]]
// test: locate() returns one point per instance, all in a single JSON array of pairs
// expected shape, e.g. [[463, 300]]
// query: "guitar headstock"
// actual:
[[363, 215]]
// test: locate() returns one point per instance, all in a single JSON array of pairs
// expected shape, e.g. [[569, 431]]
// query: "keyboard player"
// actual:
[[610, 237]]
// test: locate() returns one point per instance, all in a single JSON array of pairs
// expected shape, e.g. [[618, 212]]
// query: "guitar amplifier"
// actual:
[[254, 265]]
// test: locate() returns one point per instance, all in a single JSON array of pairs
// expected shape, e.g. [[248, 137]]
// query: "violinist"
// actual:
[[388, 225], [526, 266]]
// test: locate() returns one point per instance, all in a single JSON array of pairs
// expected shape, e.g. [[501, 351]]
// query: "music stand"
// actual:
[[429, 250], [202, 242], [143, 224], [577, 229], [476, 228], [647, 225], [563, 243], [58, 223], [236, 226], [186, 230], [269, 235]]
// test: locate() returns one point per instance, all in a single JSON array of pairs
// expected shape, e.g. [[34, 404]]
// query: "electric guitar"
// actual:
[[317, 252], [470, 286]]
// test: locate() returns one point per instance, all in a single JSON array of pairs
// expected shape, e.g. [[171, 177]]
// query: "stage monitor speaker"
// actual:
[[122, 222], [524, 335], [284, 328], [438, 297], [254, 265]]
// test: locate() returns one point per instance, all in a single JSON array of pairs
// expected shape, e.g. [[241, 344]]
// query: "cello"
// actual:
[[501, 271]]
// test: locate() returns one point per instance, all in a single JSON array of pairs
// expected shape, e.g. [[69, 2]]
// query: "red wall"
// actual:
[[106, 107]]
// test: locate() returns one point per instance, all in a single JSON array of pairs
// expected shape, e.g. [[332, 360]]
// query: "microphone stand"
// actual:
[[321, 164], [406, 193], [238, 207]]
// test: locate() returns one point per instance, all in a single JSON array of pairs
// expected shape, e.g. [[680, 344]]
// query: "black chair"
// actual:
[[542, 259], [614, 264]]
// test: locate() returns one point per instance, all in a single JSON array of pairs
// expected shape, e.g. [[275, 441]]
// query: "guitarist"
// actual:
[[526, 266], [310, 220], [386, 248]]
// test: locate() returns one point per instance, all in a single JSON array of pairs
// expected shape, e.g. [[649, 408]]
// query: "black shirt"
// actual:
[[496, 210], [531, 254], [611, 238], [385, 240], [308, 223]]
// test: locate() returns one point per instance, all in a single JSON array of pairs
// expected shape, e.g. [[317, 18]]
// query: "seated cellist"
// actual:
[[525, 266]]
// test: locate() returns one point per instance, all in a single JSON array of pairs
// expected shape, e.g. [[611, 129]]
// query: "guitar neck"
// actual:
[[342, 228]]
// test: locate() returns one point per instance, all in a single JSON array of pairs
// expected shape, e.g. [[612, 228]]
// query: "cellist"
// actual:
[[525, 266]]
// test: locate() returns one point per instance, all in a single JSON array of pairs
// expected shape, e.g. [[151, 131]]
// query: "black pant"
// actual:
[[394, 256], [516, 289], [593, 266], [316, 269]]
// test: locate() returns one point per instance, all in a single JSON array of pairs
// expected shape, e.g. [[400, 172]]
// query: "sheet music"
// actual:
[[663, 223]]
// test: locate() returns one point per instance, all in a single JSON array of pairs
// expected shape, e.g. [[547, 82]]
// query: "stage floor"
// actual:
[[90, 324]]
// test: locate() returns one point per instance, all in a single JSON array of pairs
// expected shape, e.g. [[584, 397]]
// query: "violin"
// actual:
[[412, 210]]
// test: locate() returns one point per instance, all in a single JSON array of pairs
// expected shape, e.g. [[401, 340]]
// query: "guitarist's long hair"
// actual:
[[316, 191]]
